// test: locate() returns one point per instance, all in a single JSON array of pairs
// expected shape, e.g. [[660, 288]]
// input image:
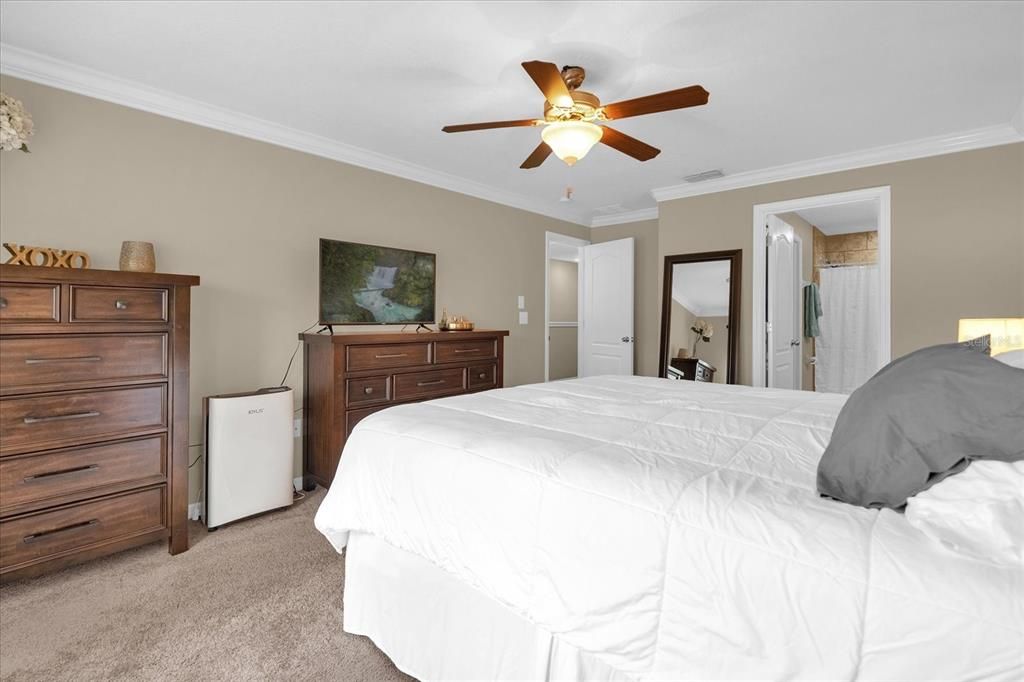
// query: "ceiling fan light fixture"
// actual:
[[571, 140]]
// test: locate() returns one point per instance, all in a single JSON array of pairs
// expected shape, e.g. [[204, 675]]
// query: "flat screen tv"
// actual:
[[364, 284]]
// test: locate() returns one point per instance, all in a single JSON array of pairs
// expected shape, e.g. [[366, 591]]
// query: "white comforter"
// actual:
[[672, 530]]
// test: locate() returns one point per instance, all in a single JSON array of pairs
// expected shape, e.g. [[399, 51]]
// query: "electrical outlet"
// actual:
[[524, 317], [297, 428]]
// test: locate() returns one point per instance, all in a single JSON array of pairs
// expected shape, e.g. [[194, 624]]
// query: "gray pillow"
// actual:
[[919, 419]]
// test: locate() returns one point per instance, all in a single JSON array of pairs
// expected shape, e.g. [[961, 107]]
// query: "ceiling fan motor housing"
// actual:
[[585, 108]]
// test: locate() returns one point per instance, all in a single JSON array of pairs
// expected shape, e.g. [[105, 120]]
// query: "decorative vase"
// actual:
[[138, 257]]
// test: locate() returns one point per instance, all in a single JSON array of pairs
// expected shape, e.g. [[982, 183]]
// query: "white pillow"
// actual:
[[978, 512], [1014, 358]]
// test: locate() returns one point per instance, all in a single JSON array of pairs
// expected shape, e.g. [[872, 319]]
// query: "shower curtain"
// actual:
[[847, 349]]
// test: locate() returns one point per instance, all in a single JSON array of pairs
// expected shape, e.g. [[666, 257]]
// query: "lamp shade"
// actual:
[[1007, 333], [571, 140]]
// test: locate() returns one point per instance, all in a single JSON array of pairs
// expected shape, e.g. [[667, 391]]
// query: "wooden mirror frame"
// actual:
[[735, 258]]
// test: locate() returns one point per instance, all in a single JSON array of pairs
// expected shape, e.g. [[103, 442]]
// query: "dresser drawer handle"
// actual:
[[482, 375], [61, 417], [36, 537], [368, 390], [430, 383], [120, 305], [392, 355], [82, 358], [64, 472], [467, 350], [3, 302]]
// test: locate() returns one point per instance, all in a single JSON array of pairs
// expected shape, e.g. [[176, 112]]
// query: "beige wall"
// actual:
[[679, 335], [563, 288], [957, 238], [245, 216], [563, 361], [647, 298], [716, 351]]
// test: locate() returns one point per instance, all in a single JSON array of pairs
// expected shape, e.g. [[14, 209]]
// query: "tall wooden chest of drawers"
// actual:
[[93, 414], [350, 376]]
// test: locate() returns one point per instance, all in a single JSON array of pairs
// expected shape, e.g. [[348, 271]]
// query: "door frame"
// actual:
[[559, 238], [735, 258], [883, 195]]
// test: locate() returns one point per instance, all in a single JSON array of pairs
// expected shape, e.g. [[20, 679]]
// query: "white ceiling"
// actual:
[[702, 288], [372, 83], [860, 216]]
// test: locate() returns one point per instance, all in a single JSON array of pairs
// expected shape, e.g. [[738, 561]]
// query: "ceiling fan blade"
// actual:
[[549, 79], [641, 151], [465, 127], [542, 152], [693, 96]]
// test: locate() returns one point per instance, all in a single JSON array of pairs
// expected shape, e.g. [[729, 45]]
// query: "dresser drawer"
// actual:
[[353, 417], [38, 422], [482, 376], [366, 391], [385, 356], [29, 303], [36, 478], [66, 530], [55, 360], [423, 385], [458, 351], [110, 304]]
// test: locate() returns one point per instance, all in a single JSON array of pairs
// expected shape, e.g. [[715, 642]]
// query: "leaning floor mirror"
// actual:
[[700, 317]]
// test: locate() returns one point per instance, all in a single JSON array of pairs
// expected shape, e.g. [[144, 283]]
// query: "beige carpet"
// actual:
[[260, 599]]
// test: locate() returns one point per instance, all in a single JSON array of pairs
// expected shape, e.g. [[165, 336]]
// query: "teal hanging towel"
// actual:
[[812, 310]]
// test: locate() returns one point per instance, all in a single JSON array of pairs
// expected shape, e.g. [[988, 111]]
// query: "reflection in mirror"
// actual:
[[698, 317]]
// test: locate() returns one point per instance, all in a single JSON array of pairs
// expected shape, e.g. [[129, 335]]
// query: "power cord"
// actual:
[[294, 353]]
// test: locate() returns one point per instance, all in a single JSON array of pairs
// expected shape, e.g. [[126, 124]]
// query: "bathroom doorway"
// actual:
[[821, 291]]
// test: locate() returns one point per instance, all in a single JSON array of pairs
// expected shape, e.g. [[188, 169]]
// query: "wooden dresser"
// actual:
[[349, 376], [93, 414], [691, 369]]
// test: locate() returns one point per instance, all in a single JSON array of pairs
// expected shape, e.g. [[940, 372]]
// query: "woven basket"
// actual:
[[137, 257]]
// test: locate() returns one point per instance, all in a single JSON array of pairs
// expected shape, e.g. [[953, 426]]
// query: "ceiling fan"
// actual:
[[569, 119]]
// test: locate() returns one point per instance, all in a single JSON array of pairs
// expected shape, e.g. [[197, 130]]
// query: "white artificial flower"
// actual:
[[15, 124]]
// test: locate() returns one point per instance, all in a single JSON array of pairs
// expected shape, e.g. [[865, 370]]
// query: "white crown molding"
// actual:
[[904, 151], [38, 68], [628, 217]]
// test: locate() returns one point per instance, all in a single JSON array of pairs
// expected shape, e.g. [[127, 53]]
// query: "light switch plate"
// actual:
[[522, 303], [524, 317], [297, 428]]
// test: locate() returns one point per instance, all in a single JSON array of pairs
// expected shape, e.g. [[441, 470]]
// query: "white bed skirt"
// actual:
[[435, 627]]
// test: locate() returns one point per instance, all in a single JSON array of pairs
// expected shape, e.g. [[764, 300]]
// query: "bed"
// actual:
[[630, 528]]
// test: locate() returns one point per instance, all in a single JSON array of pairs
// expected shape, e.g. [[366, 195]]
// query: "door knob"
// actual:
[[628, 339], [794, 342]]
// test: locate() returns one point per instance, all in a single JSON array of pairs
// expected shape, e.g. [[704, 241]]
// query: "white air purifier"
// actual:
[[248, 454]]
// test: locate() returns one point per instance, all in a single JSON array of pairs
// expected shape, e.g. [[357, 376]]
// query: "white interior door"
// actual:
[[783, 307], [607, 313]]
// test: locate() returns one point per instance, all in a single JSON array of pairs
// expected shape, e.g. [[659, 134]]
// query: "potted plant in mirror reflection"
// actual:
[[15, 124], [703, 331]]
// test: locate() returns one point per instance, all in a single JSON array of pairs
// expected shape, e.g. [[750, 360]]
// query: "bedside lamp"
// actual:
[[1007, 333]]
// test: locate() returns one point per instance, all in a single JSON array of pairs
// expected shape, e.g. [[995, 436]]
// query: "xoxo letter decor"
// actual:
[[42, 256]]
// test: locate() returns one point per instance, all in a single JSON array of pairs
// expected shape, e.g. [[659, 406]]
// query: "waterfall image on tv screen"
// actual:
[[363, 284]]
